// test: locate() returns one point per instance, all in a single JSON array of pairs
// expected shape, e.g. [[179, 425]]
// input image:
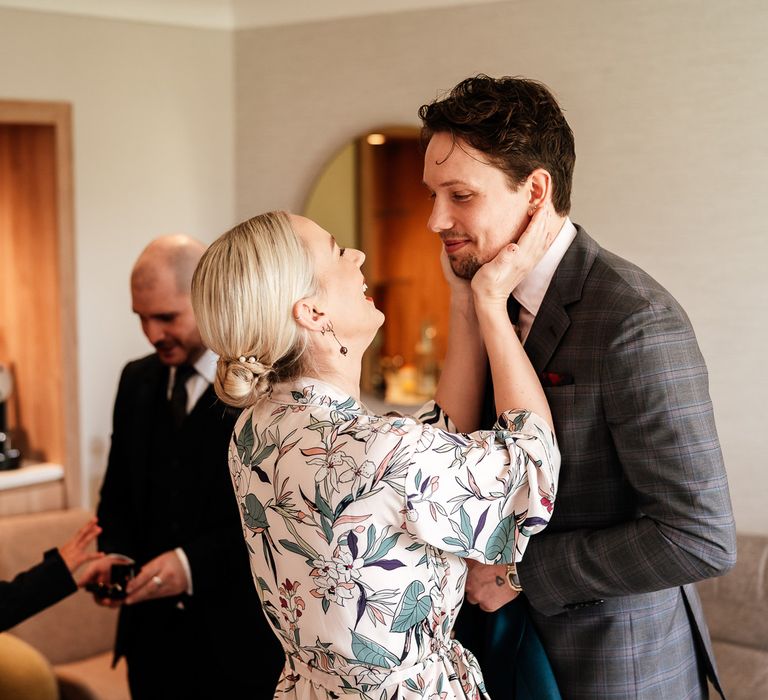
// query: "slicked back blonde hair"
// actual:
[[243, 292]]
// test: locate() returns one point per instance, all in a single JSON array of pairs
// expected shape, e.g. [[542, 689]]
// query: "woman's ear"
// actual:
[[540, 189], [307, 315]]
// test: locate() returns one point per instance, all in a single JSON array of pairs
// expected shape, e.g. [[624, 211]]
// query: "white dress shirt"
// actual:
[[205, 373]]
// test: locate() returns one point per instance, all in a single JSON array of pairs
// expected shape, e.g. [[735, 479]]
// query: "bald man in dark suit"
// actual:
[[192, 625]]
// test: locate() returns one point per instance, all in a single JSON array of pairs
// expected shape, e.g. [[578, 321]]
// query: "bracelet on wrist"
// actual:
[[513, 580]]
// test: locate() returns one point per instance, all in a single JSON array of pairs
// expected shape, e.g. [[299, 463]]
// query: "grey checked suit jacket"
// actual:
[[643, 508]]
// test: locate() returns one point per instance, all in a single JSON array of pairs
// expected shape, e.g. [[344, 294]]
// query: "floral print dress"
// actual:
[[357, 528]]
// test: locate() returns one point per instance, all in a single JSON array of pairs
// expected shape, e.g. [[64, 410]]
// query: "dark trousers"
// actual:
[[172, 656], [507, 646]]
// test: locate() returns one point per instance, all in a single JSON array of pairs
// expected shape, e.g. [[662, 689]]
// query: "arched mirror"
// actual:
[[370, 196]]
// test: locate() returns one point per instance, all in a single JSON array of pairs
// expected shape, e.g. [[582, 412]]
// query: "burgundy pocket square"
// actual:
[[556, 379]]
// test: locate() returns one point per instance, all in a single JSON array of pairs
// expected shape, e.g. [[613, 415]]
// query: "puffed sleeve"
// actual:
[[481, 495]]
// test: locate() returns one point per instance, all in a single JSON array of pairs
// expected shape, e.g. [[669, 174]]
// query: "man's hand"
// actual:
[[162, 577], [75, 552], [487, 586]]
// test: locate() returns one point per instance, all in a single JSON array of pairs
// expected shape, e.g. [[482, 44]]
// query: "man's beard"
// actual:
[[465, 268]]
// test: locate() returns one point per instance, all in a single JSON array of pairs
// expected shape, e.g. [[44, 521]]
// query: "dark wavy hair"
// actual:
[[516, 122]]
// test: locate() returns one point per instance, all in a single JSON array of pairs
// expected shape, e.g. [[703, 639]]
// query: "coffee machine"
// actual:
[[10, 458]]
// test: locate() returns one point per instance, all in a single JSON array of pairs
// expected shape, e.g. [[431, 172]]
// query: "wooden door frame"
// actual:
[[59, 116]]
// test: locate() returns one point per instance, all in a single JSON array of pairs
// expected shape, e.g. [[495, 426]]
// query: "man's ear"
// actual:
[[307, 314], [540, 189]]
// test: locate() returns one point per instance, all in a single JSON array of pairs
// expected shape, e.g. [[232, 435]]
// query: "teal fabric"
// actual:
[[512, 658]]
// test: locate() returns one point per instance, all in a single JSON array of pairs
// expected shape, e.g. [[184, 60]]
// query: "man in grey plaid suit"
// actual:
[[643, 509]]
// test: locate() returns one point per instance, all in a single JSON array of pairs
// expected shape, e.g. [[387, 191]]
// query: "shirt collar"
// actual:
[[206, 365], [530, 292]]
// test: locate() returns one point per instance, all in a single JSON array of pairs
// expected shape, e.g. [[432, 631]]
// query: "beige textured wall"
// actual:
[[153, 147], [668, 104]]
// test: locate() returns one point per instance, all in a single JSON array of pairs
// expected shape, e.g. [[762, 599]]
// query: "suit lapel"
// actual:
[[205, 402], [149, 403], [553, 320]]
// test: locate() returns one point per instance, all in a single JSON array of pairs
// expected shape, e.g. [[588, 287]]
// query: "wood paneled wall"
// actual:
[[37, 314], [30, 322]]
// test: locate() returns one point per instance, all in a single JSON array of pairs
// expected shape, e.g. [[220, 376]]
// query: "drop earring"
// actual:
[[328, 328]]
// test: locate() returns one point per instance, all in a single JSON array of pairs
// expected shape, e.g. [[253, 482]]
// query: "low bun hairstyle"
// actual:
[[243, 293]]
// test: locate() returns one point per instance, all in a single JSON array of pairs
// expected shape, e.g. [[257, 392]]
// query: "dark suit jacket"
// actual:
[[185, 499], [642, 508], [34, 590]]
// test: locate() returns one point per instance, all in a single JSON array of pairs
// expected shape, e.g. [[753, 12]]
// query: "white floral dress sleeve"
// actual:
[[482, 495]]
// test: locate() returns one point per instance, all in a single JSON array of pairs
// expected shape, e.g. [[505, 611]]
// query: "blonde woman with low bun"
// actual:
[[238, 278], [360, 526]]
